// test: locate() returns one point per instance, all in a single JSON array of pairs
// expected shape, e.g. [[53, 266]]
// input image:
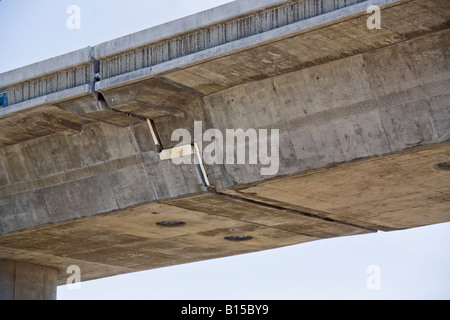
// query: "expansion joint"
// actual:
[[164, 154]]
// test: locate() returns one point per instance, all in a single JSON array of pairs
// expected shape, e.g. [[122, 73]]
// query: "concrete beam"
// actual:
[[48, 99]]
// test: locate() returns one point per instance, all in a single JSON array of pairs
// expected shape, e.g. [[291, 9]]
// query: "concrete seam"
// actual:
[[386, 134], [150, 181], [154, 106], [209, 120], [245, 220], [303, 213], [179, 85]]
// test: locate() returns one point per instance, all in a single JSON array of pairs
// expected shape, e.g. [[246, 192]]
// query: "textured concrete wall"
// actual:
[[26, 281], [376, 103], [362, 106]]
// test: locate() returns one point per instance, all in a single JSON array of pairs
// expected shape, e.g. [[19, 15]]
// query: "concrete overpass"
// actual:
[[363, 115]]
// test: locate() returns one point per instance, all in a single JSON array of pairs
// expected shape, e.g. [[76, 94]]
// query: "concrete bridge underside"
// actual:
[[363, 116]]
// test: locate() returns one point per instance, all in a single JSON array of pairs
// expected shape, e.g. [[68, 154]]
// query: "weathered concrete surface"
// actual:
[[363, 115], [386, 193], [26, 281]]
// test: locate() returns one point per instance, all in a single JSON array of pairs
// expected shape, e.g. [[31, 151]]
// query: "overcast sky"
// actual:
[[410, 264]]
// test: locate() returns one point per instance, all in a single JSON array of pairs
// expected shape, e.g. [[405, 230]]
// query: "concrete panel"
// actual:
[[317, 146], [47, 98], [131, 186], [97, 143], [81, 105], [242, 209], [100, 142], [172, 180], [361, 135], [34, 123], [80, 198], [324, 87], [408, 125], [25, 281], [411, 64], [255, 105], [21, 211]]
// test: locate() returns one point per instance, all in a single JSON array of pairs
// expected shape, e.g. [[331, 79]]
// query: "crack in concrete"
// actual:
[[280, 208]]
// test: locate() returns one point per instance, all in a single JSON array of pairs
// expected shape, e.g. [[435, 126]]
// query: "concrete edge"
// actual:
[[170, 29], [49, 66], [47, 99]]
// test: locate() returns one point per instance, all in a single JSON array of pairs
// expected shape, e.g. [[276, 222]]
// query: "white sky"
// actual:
[[413, 264]]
